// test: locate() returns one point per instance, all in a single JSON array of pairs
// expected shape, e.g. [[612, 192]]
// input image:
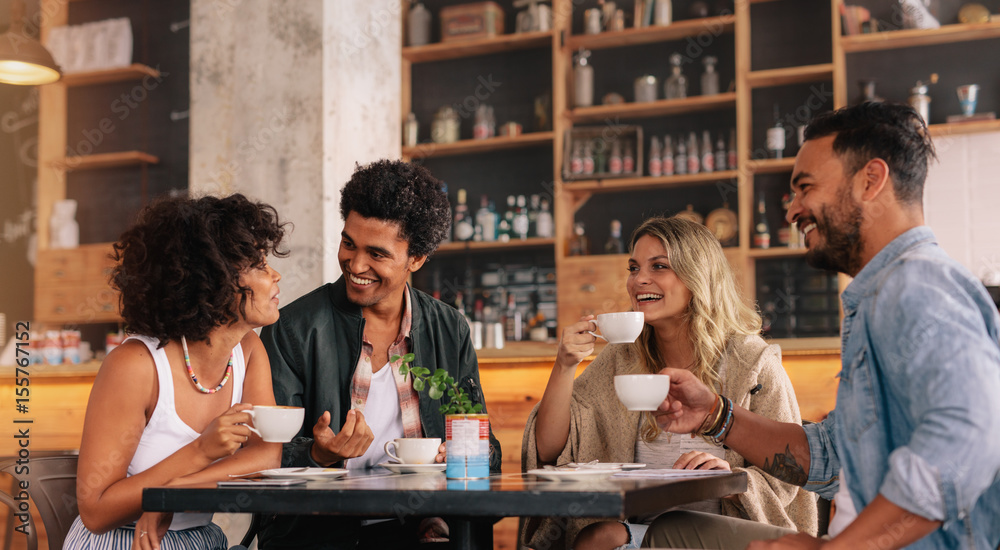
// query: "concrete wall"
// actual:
[[286, 96]]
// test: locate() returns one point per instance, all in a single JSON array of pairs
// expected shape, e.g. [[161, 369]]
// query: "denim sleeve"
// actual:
[[824, 464], [940, 371]]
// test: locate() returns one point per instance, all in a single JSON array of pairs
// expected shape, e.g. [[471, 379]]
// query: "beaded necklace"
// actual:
[[197, 385]]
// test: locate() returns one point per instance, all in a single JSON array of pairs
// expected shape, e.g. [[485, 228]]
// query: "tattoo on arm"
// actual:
[[785, 468]]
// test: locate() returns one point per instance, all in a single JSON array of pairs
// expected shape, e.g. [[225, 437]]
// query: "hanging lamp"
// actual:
[[23, 60]]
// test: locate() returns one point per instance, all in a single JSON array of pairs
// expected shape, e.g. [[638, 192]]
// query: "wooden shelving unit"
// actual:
[[475, 146], [663, 107], [135, 71], [473, 48], [790, 75], [678, 30], [776, 252], [648, 182], [963, 128], [475, 246], [107, 160], [771, 166], [891, 40]]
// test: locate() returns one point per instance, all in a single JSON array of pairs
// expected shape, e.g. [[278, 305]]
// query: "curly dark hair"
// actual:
[[892, 132], [178, 268], [401, 192]]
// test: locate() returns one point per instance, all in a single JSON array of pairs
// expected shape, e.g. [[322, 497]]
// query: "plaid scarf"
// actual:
[[409, 402]]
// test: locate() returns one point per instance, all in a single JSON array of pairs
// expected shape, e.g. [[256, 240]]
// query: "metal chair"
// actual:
[[52, 487]]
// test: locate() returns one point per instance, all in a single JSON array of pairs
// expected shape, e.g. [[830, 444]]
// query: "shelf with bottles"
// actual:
[[780, 115], [709, 27], [908, 38], [526, 222], [442, 51], [475, 146], [796, 300], [770, 232]]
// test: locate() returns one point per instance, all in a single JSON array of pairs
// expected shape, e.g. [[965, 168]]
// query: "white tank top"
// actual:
[[166, 433]]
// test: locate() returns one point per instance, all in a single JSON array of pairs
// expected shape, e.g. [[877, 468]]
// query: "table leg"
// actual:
[[470, 533]]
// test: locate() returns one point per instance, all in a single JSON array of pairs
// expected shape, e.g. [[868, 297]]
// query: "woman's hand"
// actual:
[[697, 460], [226, 433], [151, 527], [576, 343], [687, 405]]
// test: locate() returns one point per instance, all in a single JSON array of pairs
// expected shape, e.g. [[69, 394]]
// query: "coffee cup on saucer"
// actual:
[[276, 424], [413, 450]]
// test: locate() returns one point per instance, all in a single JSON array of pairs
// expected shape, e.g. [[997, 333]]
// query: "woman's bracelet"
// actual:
[[714, 416], [719, 436]]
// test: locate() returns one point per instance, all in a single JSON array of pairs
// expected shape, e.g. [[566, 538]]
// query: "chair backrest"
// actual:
[[52, 487]]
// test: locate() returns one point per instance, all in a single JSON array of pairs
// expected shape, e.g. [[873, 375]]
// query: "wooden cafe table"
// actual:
[[469, 507]]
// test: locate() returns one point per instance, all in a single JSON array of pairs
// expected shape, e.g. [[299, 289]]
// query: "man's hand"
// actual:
[[687, 405], [442, 455], [788, 542], [352, 441]]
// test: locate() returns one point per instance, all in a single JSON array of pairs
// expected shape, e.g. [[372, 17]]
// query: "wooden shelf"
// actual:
[[962, 128], [632, 184], [790, 75], [473, 146], [647, 35], [661, 107], [890, 40], [771, 166], [471, 48], [776, 252], [135, 71], [107, 160], [475, 246]]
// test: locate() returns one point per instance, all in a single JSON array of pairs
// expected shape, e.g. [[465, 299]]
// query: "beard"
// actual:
[[842, 241]]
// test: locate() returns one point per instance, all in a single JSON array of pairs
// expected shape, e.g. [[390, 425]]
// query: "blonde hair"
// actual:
[[717, 311]]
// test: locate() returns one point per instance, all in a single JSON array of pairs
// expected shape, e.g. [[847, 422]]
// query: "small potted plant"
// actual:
[[467, 430]]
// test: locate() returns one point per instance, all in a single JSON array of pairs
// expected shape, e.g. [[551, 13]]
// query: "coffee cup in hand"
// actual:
[[276, 424], [413, 450], [642, 392], [620, 328]]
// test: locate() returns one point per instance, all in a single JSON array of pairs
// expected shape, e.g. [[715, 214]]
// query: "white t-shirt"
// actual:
[[383, 416], [845, 513]]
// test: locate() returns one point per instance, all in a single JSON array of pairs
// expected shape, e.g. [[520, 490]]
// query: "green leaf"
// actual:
[[418, 384], [434, 392], [409, 357], [404, 370], [450, 381], [451, 393], [440, 375], [421, 371], [478, 407]]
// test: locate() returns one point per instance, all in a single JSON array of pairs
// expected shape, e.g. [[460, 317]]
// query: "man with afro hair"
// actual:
[[331, 352]]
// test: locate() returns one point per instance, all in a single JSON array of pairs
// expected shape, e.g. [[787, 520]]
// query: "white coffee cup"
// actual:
[[620, 328], [413, 450], [276, 424], [642, 392]]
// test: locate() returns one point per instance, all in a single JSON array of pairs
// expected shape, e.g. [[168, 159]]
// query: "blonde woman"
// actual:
[[695, 320]]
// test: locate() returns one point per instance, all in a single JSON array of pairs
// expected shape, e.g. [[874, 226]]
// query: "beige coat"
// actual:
[[595, 432]]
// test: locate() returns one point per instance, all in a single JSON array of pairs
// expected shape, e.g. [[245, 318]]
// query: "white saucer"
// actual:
[[304, 473], [397, 468], [606, 465], [582, 474]]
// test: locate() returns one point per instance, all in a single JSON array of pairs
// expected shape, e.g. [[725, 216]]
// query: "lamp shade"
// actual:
[[25, 61]]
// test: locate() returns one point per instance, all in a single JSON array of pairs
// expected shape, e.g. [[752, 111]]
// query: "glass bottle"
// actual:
[[464, 228], [588, 158], [776, 135], [512, 322], [720, 155], [693, 157], [676, 85], [731, 151], [681, 158], [667, 164], [544, 226], [418, 26], [615, 245], [579, 244], [576, 160], [628, 161], [707, 155], [761, 229], [615, 164], [710, 78], [655, 162], [411, 130], [486, 223], [534, 207], [663, 12], [583, 80], [520, 226]]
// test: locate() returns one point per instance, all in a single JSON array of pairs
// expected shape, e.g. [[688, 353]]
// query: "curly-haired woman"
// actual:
[[695, 319], [167, 406]]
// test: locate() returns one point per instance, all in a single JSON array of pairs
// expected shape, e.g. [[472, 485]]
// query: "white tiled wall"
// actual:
[[962, 200]]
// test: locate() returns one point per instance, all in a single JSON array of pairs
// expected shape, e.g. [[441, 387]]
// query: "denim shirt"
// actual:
[[918, 405]]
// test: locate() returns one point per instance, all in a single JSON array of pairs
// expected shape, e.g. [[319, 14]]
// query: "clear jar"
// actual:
[[444, 128]]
